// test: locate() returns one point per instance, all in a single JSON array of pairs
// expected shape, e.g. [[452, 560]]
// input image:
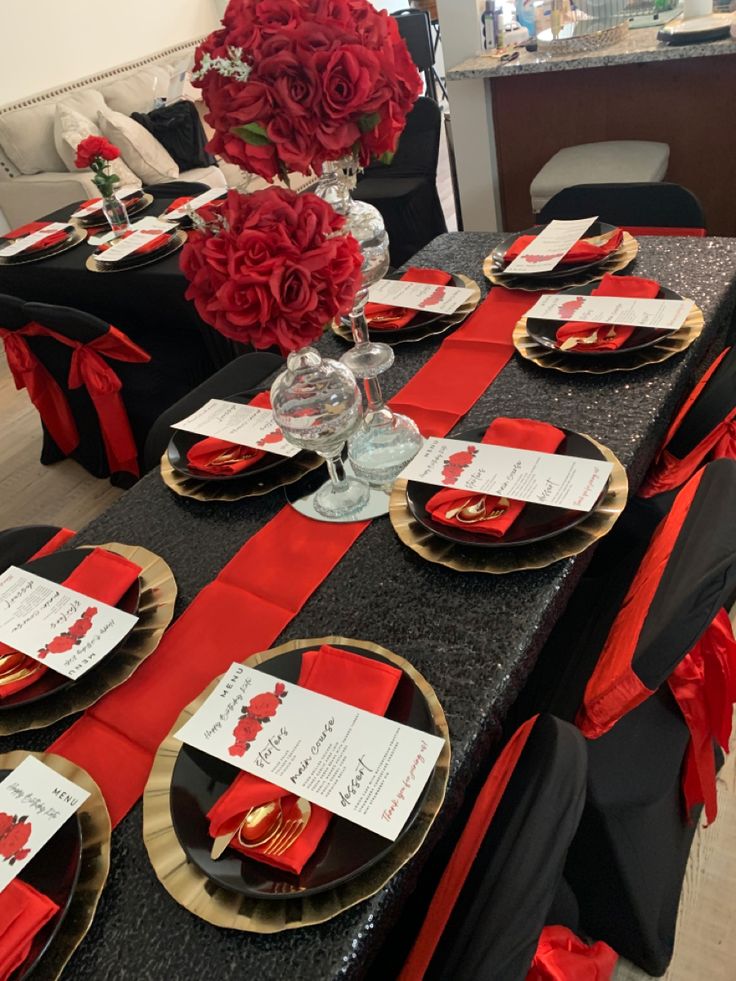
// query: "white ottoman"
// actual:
[[614, 162]]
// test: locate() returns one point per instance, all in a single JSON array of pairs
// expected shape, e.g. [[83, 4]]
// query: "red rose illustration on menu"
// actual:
[[72, 636], [14, 835], [532, 257], [456, 463], [275, 436], [436, 296], [569, 307], [259, 710]]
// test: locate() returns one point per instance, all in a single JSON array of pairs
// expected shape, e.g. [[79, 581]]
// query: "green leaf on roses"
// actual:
[[369, 121], [253, 134]]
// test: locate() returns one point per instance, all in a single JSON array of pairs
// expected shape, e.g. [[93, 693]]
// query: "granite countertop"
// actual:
[[638, 47]]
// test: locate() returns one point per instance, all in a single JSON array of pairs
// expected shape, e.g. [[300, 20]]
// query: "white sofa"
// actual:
[[33, 178]]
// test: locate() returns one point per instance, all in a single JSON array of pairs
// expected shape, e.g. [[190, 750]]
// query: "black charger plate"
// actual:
[[57, 567], [498, 256], [535, 523], [419, 322], [74, 236], [545, 331], [98, 220], [53, 872], [174, 242], [345, 851], [181, 443]]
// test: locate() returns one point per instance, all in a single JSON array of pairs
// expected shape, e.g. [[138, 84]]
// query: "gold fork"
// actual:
[[290, 830]]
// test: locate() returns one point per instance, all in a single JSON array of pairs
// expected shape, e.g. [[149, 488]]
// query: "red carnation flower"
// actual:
[[92, 147]]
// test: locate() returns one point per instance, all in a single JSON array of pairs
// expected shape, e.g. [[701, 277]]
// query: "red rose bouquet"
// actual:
[[290, 84], [95, 152], [271, 268]]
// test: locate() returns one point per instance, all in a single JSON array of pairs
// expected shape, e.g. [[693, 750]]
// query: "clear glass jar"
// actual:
[[116, 214]]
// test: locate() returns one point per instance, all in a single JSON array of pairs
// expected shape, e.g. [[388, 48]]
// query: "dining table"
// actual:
[[475, 637]]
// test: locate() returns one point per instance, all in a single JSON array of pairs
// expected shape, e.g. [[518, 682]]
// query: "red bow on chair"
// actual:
[[89, 369], [43, 390]]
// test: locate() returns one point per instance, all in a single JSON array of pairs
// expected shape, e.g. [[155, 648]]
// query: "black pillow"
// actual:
[[178, 128]]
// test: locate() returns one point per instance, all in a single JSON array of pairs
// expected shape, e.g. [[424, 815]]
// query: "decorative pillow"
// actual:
[[135, 93], [178, 128], [70, 128], [87, 102], [142, 151], [27, 139]]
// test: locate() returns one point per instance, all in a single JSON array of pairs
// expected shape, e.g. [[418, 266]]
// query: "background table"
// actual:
[[474, 637]]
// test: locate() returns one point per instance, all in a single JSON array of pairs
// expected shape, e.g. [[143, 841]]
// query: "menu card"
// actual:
[[27, 241], [620, 311], [245, 425], [568, 482], [126, 246], [148, 223], [361, 766], [552, 244], [34, 803], [419, 296], [59, 627], [196, 203], [96, 205]]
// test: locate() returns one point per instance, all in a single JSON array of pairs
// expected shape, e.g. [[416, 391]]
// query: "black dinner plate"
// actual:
[[53, 872], [131, 261], [97, 219], [181, 443], [560, 271], [418, 323], [56, 567], [38, 253], [545, 331], [535, 523], [345, 851]]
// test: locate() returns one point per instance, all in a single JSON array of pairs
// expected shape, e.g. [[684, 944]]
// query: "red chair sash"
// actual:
[[42, 388], [704, 686], [90, 370]]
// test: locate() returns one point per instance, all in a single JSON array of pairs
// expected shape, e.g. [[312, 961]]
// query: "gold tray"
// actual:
[[195, 892], [499, 561], [548, 357], [293, 469], [155, 612], [95, 824]]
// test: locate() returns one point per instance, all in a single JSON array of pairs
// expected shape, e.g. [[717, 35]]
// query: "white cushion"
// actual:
[[88, 102], [70, 129], [147, 157], [206, 175], [27, 139], [134, 93], [614, 162]]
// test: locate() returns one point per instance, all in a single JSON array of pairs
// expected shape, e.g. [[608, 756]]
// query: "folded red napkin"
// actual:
[[23, 911], [348, 677], [610, 337], [381, 316], [522, 434], [129, 199], [154, 243], [28, 229], [583, 251], [101, 575], [178, 203], [203, 456]]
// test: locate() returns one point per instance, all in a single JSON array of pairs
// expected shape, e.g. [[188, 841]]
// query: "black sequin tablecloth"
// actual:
[[474, 637]]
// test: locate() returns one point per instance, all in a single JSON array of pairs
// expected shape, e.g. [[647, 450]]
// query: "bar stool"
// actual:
[[612, 162]]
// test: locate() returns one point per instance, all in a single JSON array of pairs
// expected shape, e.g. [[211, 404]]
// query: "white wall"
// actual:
[[48, 42]]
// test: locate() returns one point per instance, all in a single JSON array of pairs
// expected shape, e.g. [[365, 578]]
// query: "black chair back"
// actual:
[[415, 27], [18, 545], [716, 401], [178, 189], [656, 205], [417, 154], [12, 312]]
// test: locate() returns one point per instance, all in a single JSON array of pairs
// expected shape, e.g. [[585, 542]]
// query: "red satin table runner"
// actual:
[[268, 581]]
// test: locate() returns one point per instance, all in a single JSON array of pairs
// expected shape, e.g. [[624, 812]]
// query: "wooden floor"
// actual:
[[67, 495]]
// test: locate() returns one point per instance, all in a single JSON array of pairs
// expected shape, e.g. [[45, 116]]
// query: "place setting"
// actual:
[[73, 625], [296, 785], [183, 210], [621, 324], [38, 240], [140, 246], [560, 255], [518, 494], [90, 214], [55, 851], [243, 453], [419, 304]]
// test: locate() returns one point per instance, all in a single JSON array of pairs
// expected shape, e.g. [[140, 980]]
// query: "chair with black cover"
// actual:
[[20, 545], [176, 189], [415, 27], [405, 191], [656, 208], [110, 392], [647, 666], [247, 372], [503, 889]]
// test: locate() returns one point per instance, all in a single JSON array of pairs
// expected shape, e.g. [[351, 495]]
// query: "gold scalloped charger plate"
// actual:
[[621, 258], [94, 822], [264, 482], [499, 561], [76, 237], [409, 335], [155, 613], [668, 347], [177, 240], [195, 892]]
